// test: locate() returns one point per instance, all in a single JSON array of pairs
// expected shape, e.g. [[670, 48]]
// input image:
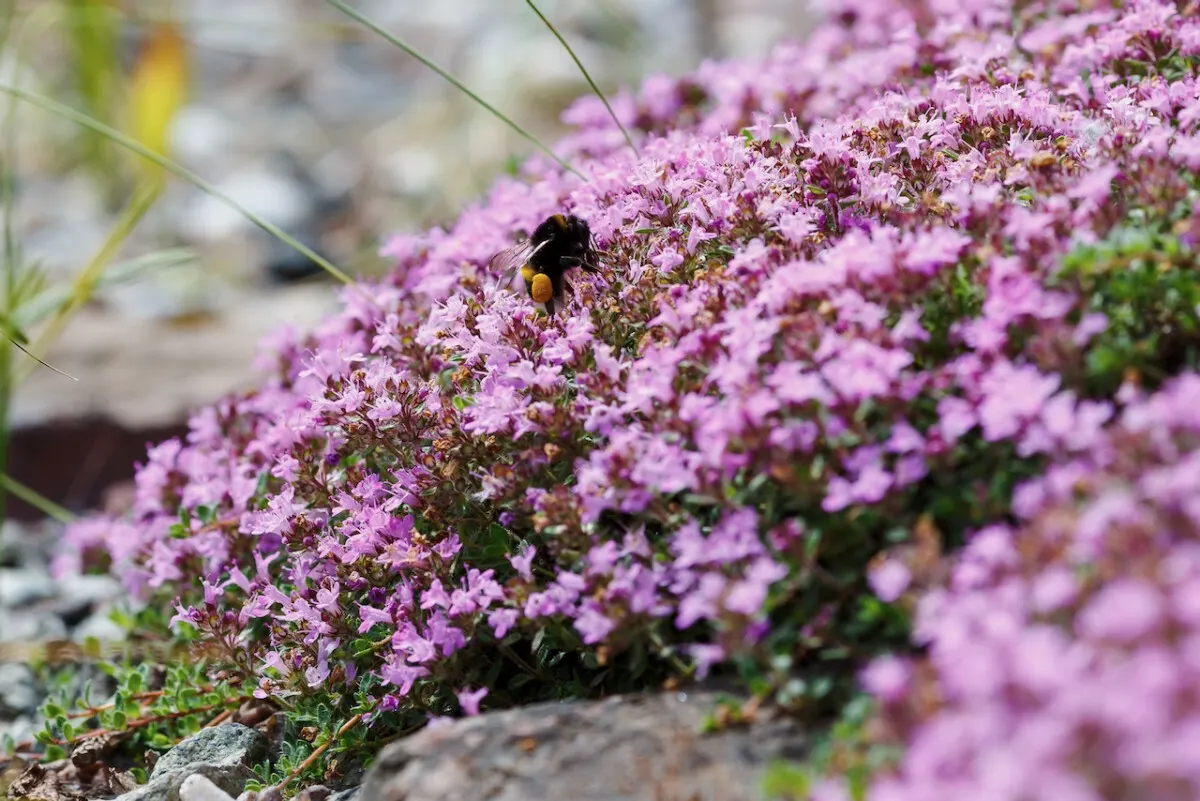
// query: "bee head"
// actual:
[[579, 237]]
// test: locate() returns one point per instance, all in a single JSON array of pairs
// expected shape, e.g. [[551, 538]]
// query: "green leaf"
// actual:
[[55, 753], [786, 780], [538, 639], [134, 682], [264, 479], [520, 680]]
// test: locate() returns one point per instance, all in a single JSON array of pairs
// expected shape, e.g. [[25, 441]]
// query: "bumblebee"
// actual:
[[559, 243]]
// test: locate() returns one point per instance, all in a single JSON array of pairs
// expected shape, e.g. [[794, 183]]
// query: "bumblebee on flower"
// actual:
[[559, 243]]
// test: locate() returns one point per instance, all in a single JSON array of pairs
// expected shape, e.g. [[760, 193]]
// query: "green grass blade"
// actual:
[[36, 500], [9, 255], [54, 107], [16, 341], [84, 285], [582, 69], [457, 84], [49, 300], [92, 31]]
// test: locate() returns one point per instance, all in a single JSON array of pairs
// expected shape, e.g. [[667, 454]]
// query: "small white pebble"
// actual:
[[198, 788]]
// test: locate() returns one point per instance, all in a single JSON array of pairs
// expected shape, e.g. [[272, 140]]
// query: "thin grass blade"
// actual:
[[54, 107], [36, 500], [457, 84], [582, 69]]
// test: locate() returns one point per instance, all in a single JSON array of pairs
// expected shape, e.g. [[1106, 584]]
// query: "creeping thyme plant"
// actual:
[[885, 387]]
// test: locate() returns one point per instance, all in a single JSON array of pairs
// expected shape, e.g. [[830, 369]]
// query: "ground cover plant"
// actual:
[[926, 279]]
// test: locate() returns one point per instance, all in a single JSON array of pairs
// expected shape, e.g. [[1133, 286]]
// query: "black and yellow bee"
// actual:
[[559, 243]]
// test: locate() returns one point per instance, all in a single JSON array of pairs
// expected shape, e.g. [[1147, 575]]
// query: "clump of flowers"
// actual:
[[1062, 651], [851, 296]]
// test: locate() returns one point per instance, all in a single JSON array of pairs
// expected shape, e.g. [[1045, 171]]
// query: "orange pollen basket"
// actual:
[[541, 289]]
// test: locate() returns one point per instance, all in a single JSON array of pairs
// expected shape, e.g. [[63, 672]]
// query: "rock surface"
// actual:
[[167, 788], [34, 607], [197, 787], [227, 746], [223, 755], [622, 749]]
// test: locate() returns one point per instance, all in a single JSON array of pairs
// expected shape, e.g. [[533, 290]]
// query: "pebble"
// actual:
[[90, 589], [21, 729], [100, 626], [198, 788], [78, 598], [22, 586], [201, 134], [19, 691], [258, 189], [30, 626]]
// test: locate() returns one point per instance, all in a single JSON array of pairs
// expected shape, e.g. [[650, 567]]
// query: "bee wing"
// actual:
[[509, 260]]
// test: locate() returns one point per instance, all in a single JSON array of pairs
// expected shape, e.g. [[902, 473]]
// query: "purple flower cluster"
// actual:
[[1064, 651], [830, 290]]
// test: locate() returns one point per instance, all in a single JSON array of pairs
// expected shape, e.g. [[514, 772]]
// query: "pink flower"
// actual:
[[1053, 589], [890, 580], [592, 624], [1012, 398], [469, 700], [521, 563], [886, 678], [705, 656], [1126, 609]]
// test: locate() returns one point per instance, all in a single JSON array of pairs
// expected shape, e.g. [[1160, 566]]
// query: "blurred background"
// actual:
[[302, 115]]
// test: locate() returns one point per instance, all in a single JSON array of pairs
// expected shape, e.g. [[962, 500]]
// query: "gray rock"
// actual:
[[100, 626], [316, 792], [349, 794], [222, 755], [22, 586], [198, 788], [226, 746], [20, 546], [90, 589], [629, 748], [19, 692], [78, 597], [264, 191], [21, 729], [167, 787], [26, 625]]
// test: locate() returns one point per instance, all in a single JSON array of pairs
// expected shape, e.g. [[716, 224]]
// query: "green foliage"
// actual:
[[1145, 283], [844, 751], [155, 707]]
